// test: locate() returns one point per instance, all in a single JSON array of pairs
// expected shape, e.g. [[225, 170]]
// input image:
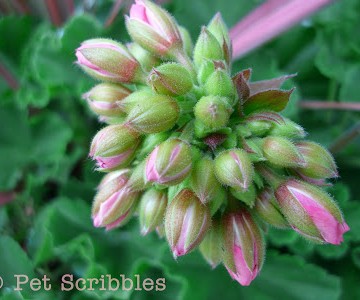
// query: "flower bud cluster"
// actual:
[[205, 157]]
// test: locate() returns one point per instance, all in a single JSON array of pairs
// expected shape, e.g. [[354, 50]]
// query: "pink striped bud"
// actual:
[[311, 212], [268, 209], [233, 168], [282, 153], [102, 99], [114, 146], [152, 209], [114, 202], [108, 60], [153, 28], [169, 163], [244, 247], [319, 162], [186, 222]]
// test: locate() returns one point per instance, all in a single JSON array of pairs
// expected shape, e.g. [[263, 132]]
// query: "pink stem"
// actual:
[[345, 139], [330, 105], [6, 197], [54, 12], [21, 6], [69, 7], [270, 25], [113, 13], [9, 78]]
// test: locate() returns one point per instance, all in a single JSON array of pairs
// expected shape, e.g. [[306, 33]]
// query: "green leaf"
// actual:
[[15, 141], [13, 260]]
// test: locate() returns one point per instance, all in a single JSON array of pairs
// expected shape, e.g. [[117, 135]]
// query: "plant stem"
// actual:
[[114, 12], [318, 105], [345, 139], [8, 77]]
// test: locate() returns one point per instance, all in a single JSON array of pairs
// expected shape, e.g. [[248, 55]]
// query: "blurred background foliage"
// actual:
[[49, 183]]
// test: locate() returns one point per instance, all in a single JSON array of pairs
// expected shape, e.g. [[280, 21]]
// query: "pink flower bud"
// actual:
[[186, 222], [102, 99], [169, 163], [153, 28], [311, 212], [114, 146], [319, 162], [107, 60], [244, 247], [151, 210], [233, 168], [282, 153], [114, 201]]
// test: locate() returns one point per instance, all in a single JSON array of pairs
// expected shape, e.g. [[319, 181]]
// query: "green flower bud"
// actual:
[[170, 79], [248, 196], [268, 209], [219, 29], [145, 58], [187, 41], [288, 129], [205, 70], [253, 147], [234, 168], [207, 47], [319, 162], [203, 180], [154, 114], [151, 141], [152, 209], [219, 83], [169, 163], [212, 111], [137, 180], [211, 246], [258, 128], [186, 222], [282, 153], [114, 146], [102, 99]]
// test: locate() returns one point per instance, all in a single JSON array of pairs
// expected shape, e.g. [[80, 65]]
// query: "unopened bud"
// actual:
[[207, 47], [108, 60], [169, 163], [203, 180], [213, 111], [258, 128], [219, 83], [211, 246], [244, 247], [114, 146], [152, 209], [170, 79], [219, 29], [234, 168], [268, 209], [311, 212], [153, 114], [187, 41], [281, 152], [319, 162], [186, 222], [287, 129], [114, 202], [153, 28], [137, 180], [144, 57], [102, 99]]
